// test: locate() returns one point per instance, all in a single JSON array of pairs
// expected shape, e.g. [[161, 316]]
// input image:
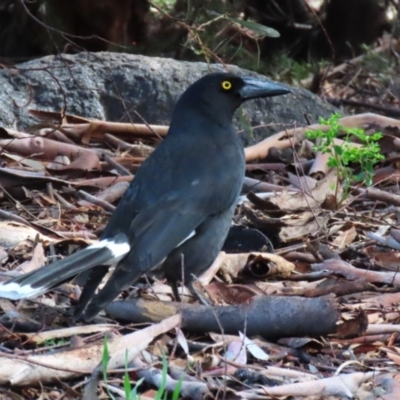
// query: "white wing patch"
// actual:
[[184, 240]]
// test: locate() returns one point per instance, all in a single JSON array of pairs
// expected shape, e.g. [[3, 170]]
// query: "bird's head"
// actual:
[[223, 93]]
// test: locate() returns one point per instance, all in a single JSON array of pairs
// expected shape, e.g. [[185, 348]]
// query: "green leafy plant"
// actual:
[[104, 364], [177, 390], [132, 394], [161, 392], [127, 382], [343, 156], [54, 342]]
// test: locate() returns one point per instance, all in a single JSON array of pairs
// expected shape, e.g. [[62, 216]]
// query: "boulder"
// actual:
[[126, 87]]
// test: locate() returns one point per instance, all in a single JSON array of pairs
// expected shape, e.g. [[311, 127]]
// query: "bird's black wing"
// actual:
[[167, 210], [172, 194]]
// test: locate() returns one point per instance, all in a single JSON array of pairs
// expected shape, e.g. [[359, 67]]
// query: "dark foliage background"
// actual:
[[310, 30]]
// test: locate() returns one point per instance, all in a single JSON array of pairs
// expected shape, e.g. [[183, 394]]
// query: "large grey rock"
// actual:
[[126, 87]]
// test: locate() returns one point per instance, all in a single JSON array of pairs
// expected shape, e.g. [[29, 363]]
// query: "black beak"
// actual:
[[254, 88]]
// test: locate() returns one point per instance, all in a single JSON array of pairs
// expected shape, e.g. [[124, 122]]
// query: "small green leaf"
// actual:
[[106, 355], [127, 381], [338, 150], [177, 390], [133, 394], [161, 390], [104, 362]]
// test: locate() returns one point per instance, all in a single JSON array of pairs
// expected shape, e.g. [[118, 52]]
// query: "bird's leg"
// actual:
[[175, 291], [197, 294]]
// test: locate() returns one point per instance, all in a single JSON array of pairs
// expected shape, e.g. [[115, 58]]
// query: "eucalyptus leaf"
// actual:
[[260, 30]]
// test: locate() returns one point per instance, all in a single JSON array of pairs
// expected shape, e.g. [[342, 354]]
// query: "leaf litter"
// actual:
[[305, 294]]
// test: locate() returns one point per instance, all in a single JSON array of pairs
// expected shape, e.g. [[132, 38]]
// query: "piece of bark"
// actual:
[[350, 272], [387, 174], [93, 128], [363, 339], [85, 161], [254, 185], [387, 241], [94, 200], [109, 195], [8, 216], [42, 147], [340, 289], [112, 162], [265, 167], [383, 300], [103, 182], [379, 195], [270, 317], [302, 182], [298, 256], [320, 166], [136, 150], [15, 178]]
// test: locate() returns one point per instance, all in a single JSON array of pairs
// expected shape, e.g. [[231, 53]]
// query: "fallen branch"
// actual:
[[270, 317]]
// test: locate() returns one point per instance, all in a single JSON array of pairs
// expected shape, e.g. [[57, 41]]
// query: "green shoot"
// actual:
[[104, 363], [127, 381], [177, 390], [130, 394], [161, 392], [341, 157], [134, 395], [54, 342]]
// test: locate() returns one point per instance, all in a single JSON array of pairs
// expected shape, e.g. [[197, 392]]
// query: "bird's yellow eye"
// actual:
[[226, 85]]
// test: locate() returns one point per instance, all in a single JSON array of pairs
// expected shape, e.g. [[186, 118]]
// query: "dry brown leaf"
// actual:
[[229, 294], [345, 237], [259, 264], [301, 201], [393, 354], [302, 225], [388, 260], [41, 337], [37, 261], [12, 233], [343, 385], [28, 370]]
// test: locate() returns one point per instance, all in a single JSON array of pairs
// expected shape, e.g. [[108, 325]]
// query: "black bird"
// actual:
[[178, 209]]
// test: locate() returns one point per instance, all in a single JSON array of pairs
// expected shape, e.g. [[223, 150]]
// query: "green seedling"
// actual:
[[342, 157]]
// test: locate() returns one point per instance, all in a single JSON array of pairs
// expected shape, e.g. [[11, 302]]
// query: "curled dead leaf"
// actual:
[[258, 264]]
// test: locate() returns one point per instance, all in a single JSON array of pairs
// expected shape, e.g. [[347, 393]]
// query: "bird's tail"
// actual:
[[105, 252]]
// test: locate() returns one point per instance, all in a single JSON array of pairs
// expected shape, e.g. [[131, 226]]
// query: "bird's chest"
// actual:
[[220, 170], [226, 159]]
